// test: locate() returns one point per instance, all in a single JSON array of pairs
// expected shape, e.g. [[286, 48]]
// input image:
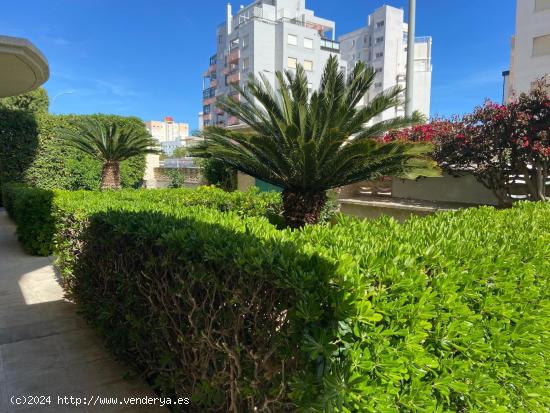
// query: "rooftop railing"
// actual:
[[424, 39], [327, 44]]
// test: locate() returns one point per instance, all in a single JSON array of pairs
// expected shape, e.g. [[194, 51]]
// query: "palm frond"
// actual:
[[109, 142], [304, 142]]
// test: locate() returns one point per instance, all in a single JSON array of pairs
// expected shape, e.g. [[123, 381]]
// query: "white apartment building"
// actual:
[[169, 134], [262, 38], [382, 44], [530, 55]]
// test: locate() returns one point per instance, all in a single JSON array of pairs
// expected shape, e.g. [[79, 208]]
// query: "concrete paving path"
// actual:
[[46, 349]]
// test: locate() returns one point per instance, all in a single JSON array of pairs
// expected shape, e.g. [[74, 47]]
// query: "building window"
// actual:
[[378, 70], [220, 39], [365, 39], [291, 62], [379, 39], [378, 85], [206, 109], [541, 46], [379, 25], [245, 40], [308, 43], [379, 55], [541, 5], [353, 43], [353, 56], [246, 63], [308, 65], [405, 36], [292, 40]]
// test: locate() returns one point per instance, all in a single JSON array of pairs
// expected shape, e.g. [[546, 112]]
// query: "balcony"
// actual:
[[330, 45], [234, 77], [208, 96], [213, 83], [208, 93], [211, 69], [233, 56], [232, 121]]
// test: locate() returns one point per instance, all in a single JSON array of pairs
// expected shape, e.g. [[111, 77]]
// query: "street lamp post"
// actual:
[[66, 92], [410, 59]]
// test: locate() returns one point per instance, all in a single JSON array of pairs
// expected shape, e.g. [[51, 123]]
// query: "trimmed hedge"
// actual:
[[449, 313], [35, 210]]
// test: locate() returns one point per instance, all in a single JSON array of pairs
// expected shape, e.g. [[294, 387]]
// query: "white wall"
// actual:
[[524, 67], [465, 189]]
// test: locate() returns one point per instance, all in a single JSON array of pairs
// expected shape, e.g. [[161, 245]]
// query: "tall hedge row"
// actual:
[[35, 210], [31, 152], [449, 313]]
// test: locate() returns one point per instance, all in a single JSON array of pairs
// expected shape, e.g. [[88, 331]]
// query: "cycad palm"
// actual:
[[110, 144], [307, 145]]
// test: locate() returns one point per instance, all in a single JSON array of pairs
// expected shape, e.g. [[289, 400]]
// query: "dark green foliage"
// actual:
[[176, 177], [449, 313], [308, 143], [32, 210], [32, 152], [218, 173], [108, 141], [18, 144], [36, 101], [36, 237]]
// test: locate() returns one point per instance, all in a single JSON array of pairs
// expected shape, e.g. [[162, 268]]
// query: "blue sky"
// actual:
[[145, 57]]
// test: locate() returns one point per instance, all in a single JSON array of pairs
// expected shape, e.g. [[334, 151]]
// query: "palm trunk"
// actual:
[[301, 208], [110, 175]]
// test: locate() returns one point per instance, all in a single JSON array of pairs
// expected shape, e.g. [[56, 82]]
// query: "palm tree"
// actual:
[[310, 144], [110, 144]]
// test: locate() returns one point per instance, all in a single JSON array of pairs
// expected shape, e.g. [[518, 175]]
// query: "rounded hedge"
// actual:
[[196, 289]]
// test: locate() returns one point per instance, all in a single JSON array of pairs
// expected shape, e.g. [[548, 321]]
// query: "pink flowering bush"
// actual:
[[495, 143]]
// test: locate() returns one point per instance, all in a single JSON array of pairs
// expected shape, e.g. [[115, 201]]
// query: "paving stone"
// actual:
[[45, 347]]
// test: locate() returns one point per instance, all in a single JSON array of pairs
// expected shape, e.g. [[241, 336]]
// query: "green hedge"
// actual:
[[449, 313], [32, 153], [35, 210]]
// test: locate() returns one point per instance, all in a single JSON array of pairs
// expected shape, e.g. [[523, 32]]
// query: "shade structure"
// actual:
[[22, 66]]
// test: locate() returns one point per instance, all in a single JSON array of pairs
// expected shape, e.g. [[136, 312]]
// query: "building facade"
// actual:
[[382, 45], [530, 54], [262, 38], [169, 134]]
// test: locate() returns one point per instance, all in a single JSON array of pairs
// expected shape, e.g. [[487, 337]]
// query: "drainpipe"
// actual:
[[410, 59], [229, 19]]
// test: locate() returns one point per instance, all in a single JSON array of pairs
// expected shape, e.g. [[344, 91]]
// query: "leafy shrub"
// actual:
[[449, 313], [31, 152], [35, 101], [495, 143], [218, 173], [36, 234]]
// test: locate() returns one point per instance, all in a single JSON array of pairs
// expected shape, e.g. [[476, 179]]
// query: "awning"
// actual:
[[22, 66]]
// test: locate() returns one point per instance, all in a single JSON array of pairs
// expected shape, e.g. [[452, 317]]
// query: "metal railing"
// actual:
[[208, 93], [330, 45], [424, 39]]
